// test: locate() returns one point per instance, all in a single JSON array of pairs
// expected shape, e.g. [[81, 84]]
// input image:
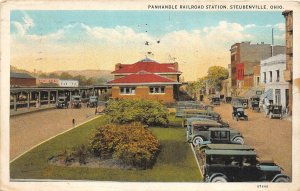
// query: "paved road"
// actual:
[[271, 138], [30, 129]]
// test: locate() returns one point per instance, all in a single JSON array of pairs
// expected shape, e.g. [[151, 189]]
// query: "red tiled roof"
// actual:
[[148, 66], [142, 78]]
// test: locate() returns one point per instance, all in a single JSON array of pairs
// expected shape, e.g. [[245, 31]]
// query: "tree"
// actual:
[[65, 75], [193, 88], [215, 75]]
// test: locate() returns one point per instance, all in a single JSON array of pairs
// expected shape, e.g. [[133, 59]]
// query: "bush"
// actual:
[[133, 144], [79, 153], [145, 111]]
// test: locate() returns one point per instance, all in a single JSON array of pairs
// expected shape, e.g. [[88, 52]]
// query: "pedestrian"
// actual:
[[73, 122]]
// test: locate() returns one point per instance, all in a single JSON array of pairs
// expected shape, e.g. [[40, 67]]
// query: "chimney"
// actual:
[[118, 66], [176, 66]]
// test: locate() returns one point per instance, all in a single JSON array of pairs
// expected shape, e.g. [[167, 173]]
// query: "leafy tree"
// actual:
[[215, 75], [193, 88]]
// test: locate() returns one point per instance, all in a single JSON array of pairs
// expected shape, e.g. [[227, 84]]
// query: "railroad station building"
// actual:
[[146, 79]]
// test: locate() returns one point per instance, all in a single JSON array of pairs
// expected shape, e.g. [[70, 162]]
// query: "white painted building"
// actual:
[[276, 88], [68, 83]]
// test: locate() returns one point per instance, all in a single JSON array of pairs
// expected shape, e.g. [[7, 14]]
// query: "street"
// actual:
[[30, 129], [271, 138]]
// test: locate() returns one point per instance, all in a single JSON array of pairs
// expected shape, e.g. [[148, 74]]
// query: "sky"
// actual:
[[78, 40]]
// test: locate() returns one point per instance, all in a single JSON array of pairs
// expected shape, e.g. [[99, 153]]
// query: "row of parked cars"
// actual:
[[76, 102], [221, 152]]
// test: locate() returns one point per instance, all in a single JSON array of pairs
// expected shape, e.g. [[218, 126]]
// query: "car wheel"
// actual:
[[239, 140], [219, 179], [281, 179], [197, 140]]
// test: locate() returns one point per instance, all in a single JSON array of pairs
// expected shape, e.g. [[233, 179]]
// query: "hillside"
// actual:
[[106, 74]]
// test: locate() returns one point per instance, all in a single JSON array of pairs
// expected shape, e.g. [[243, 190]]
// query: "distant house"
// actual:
[[21, 80], [146, 79], [68, 83], [47, 81]]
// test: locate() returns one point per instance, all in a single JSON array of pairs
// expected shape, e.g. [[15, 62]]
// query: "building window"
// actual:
[[127, 90], [270, 76], [157, 90], [277, 76], [265, 77]]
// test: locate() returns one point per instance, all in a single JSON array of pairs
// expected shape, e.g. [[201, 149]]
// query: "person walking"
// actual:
[[73, 122]]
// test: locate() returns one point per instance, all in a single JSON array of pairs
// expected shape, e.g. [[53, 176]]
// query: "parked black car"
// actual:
[[274, 111], [255, 103], [215, 101], [208, 131], [239, 113], [62, 102], [238, 166], [228, 99], [93, 101], [76, 102]]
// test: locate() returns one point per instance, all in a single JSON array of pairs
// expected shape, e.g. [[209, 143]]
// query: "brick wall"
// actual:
[[22, 82], [142, 92]]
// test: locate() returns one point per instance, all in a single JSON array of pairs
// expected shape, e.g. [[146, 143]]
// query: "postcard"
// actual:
[[149, 95]]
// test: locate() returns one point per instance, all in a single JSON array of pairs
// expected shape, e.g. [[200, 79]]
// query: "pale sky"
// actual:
[[77, 40]]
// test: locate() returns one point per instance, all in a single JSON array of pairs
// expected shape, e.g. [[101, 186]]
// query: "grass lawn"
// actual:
[[174, 163]]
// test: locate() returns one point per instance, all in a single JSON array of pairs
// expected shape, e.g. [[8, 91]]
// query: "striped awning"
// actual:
[[268, 94]]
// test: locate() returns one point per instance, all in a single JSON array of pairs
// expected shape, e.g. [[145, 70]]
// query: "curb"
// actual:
[[197, 160], [53, 137], [32, 111]]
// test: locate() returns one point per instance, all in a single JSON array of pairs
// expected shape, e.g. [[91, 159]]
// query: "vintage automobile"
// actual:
[[224, 136], [215, 101], [255, 103], [274, 111], [62, 102], [208, 131], [239, 113], [188, 121], [76, 102], [234, 165], [213, 146], [93, 101], [228, 99], [101, 105], [186, 113]]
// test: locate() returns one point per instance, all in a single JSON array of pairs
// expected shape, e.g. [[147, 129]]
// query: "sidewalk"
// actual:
[[21, 111]]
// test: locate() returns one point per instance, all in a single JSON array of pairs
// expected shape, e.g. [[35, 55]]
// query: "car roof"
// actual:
[[229, 147], [199, 118], [219, 129], [206, 122], [230, 152]]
